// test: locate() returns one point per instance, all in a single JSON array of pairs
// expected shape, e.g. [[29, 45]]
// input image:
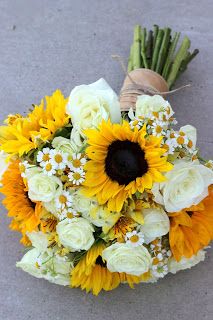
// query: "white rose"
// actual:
[[121, 257], [44, 188], [83, 204], [191, 133], [156, 224], [39, 240], [75, 234], [60, 271], [146, 105], [186, 185], [89, 104], [28, 263], [62, 144], [186, 263], [76, 139], [3, 164]]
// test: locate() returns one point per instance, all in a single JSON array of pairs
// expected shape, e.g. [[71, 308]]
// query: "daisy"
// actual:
[[43, 156], [58, 159], [23, 166], [157, 130], [134, 238], [77, 177], [160, 270], [64, 200], [49, 169], [77, 162]]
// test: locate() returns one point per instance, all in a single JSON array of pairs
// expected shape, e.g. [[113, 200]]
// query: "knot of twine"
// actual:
[[138, 89]]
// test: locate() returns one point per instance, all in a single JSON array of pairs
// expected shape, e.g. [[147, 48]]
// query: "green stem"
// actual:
[[149, 47], [157, 48], [170, 55], [130, 64], [163, 50], [180, 56], [143, 47], [155, 33], [136, 57]]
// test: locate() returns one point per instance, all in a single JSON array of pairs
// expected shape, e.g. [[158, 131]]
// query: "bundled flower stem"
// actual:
[[156, 50]]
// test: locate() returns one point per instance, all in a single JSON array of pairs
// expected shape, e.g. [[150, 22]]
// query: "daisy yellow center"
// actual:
[[180, 140], [76, 176], [22, 168], [134, 238], [58, 158], [46, 157], [70, 215], [48, 167], [125, 161], [158, 129], [76, 163], [62, 199]]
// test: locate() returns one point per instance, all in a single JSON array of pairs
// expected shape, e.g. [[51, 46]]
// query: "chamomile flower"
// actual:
[[64, 200], [77, 162], [134, 238], [43, 156], [58, 159], [23, 166], [160, 270], [77, 177], [49, 169], [157, 130]]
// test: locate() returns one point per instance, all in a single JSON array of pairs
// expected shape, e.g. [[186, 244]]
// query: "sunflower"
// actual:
[[27, 215], [192, 229], [122, 161], [91, 273], [23, 134]]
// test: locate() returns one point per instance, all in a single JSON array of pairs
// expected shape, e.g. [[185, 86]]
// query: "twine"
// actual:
[[136, 89]]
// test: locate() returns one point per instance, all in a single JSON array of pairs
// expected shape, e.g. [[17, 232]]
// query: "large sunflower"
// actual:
[[122, 161], [27, 215], [91, 273], [192, 229], [23, 134]]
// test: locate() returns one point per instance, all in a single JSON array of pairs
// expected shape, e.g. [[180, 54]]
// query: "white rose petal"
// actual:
[[28, 263], [146, 105], [62, 144], [187, 184], [191, 133], [44, 188], [39, 240], [90, 104], [156, 224], [186, 263], [75, 234], [121, 257]]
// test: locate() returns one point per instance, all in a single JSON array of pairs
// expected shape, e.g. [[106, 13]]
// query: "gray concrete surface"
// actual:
[[49, 44]]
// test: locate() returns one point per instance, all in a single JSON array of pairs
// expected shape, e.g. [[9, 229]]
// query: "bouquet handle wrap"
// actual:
[[141, 81]]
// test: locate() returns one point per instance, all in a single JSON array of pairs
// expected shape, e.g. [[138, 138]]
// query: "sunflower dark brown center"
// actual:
[[125, 161]]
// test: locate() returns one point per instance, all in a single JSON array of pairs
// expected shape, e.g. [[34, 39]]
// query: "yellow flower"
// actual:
[[122, 161], [23, 134], [27, 215], [91, 273]]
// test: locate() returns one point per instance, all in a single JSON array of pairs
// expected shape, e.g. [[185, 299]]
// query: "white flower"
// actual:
[[186, 263], [76, 162], [134, 238], [23, 167], [49, 169], [43, 156], [63, 145], [77, 177], [76, 139], [29, 263], [146, 105], [159, 270], [75, 234], [43, 188], [186, 185], [3, 163], [58, 159], [83, 204], [191, 133], [64, 200], [39, 240], [90, 104], [121, 257], [156, 224]]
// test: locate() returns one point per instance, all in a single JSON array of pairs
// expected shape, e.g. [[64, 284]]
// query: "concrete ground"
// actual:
[[49, 44]]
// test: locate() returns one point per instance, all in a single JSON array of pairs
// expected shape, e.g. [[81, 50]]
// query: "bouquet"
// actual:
[[104, 190]]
